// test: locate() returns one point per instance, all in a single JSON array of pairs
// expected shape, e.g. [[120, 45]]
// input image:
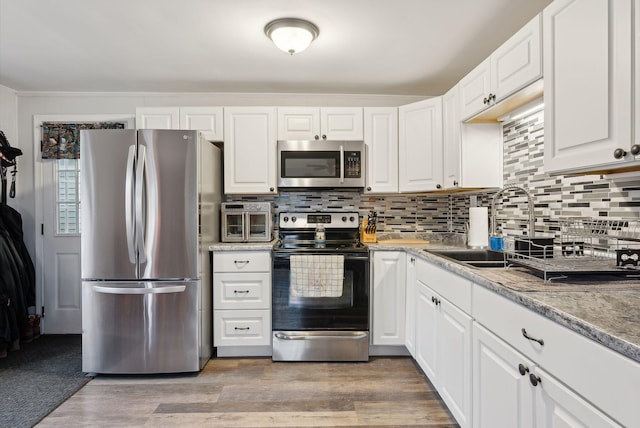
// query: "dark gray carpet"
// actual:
[[39, 377]]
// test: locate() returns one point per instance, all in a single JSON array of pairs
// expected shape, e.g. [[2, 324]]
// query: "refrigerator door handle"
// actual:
[[118, 290], [128, 204], [141, 214]]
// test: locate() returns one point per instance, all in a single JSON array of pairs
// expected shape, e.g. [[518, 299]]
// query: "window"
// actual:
[[68, 197]]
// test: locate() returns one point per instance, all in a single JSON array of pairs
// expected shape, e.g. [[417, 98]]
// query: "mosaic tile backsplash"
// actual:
[[553, 196]]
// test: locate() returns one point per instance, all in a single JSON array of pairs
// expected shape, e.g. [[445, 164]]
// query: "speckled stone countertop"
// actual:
[[242, 246], [606, 310]]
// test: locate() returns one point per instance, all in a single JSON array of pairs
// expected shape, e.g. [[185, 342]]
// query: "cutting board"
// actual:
[[402, 241]]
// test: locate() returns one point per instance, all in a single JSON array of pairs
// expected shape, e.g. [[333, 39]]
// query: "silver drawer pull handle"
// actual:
[[240, 291], [524, 333], [241, 262], [242, 328]]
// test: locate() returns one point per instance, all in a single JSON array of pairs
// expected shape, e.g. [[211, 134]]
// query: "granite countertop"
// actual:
[[242, 246], [606, 310]]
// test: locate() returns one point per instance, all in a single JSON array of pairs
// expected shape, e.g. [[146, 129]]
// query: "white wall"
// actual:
[[30, 104]]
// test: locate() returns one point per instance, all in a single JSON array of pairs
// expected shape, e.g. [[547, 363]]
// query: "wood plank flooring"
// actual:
[[237, 392]]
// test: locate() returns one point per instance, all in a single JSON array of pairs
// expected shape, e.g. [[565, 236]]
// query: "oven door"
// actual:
[[349, 311]]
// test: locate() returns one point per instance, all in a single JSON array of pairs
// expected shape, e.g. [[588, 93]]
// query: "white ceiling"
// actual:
[[398, 47]]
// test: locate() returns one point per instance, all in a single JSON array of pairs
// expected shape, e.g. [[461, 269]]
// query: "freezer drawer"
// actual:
[[140, 327]]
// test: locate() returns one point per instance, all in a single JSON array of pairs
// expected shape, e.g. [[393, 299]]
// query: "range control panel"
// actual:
[[309, 220]]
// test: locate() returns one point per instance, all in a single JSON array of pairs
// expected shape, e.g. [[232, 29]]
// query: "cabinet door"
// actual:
[[454, 360], [451, 138], [207, 120], [157, 118], [558, 407], [410, 307], [426, 330], [475, 87], [381, 139], [250, 150], [389, 273], [502, 397], [420, 146], [518, 61], [298, 123], [341, 123], [587, 83]]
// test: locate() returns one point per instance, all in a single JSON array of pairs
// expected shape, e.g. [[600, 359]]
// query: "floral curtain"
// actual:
[[62, 140]]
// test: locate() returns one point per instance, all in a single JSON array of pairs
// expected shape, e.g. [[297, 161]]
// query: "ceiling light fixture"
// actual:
[[292, 35]]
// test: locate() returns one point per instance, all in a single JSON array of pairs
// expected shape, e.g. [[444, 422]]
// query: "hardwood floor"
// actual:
[[234, 392]]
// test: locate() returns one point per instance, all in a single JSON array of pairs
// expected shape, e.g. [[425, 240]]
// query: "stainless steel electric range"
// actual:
[[320, 288]]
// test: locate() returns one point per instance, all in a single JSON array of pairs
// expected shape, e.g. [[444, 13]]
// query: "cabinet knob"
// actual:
[[412, 259], [619, 153], [523, 369], [324, 137], [317, 137], [271, 189], [455, 183], [368, 188], [438, 186], [635, 149], [535, 380], [492, 97], [485, 100]]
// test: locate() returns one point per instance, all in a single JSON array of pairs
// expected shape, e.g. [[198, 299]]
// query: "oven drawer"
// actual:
[[242, 328], [242, 291]]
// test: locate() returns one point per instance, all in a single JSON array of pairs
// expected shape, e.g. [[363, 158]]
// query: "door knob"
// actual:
[[535, 380], [523, 369]]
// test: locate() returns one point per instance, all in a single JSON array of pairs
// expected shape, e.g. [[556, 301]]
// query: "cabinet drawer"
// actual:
[[242, 261], [602, 376], [242, 290], [452, 287], [241, 327]]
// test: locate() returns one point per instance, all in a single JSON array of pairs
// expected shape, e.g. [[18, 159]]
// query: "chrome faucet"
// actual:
[[532, 220]]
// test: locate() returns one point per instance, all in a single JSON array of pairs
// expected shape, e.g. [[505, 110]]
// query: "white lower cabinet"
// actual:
[[580, 383], [509, 390], [388, 291], [410, 306], [443, 345], [242, 303]]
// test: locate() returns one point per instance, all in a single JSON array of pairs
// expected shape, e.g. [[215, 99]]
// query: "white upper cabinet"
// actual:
[[512, 66], [208, 120], [588, 85], [158, 118], [381, 139], [250, 150], [326, 123], [420, 146], [472, 152]]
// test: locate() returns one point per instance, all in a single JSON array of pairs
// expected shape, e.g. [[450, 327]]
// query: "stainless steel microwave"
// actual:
[[321, 163]]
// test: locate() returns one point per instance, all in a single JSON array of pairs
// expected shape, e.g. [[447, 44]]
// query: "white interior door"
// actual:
[[58, 285], [61, 244]]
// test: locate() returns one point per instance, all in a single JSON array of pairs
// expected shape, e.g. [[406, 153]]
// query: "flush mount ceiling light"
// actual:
[[292, 35]]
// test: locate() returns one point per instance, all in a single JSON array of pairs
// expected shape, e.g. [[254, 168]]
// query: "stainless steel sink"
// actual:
[[478, 258]]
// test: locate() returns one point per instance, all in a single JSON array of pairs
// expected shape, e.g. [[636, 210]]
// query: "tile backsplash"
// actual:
[[554, 196]]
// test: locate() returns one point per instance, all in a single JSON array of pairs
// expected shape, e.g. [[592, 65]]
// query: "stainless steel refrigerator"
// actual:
[[150, 209]]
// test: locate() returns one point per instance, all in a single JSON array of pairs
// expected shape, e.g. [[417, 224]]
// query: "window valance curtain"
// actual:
[[62, 140]]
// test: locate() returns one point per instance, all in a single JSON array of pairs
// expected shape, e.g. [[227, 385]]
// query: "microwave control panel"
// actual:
[[352, 164]]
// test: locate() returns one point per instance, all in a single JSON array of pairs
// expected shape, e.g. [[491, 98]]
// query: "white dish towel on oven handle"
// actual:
[[316, 275]]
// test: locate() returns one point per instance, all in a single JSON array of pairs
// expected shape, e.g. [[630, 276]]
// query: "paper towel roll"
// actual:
[[478, 227]]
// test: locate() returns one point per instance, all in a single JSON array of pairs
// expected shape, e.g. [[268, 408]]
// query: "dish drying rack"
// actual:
[[585, 246]]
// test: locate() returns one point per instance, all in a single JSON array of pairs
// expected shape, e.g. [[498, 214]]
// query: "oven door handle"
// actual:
[[283, 336], [286, 256]]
